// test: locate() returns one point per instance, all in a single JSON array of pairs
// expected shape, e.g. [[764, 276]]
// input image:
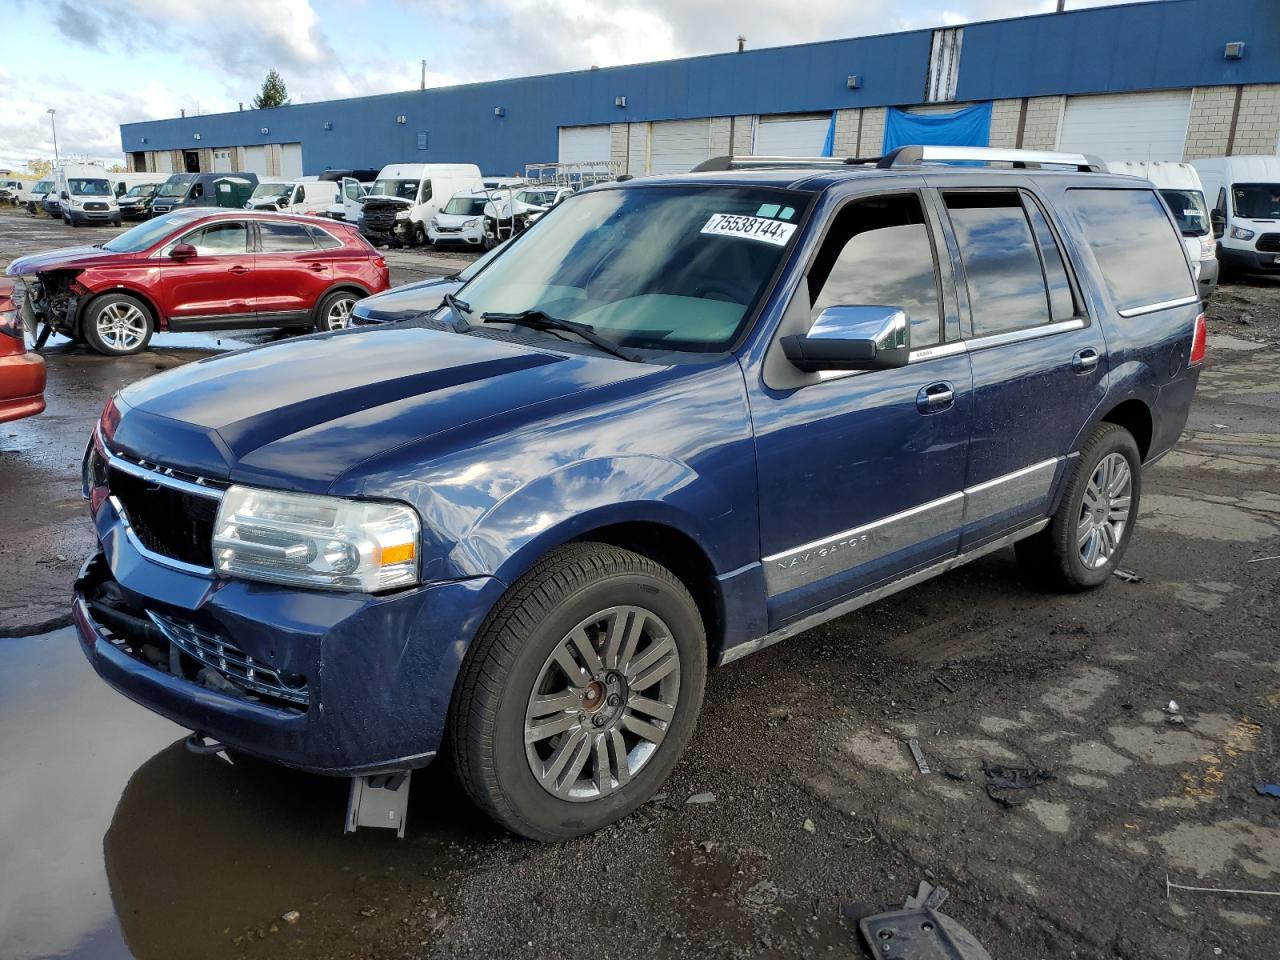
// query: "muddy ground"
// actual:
[[117, 842]]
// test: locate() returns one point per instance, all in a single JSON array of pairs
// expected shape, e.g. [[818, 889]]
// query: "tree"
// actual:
[[274, 93], [117, 168], [40, 167]]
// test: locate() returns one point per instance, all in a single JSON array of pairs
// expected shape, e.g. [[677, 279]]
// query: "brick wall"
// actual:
[[846, 138], [637, 145], [742, 135], [1004, 123], [1210, 122], [1258, 124], [871, 142], [618, 142], [1041, 130], [719, 137]]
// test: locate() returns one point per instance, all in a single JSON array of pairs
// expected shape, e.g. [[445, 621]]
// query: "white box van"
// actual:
[[1244, 194], [1179, 184], [15, 192], [301, 195], [406, 196], [86, 195]]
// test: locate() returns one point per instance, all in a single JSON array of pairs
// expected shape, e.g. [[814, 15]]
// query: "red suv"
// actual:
[[199, 269], [21, 372]]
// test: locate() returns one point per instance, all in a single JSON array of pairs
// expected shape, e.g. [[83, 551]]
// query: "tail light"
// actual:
[[1198, 342], [380, 262], [10, 324]]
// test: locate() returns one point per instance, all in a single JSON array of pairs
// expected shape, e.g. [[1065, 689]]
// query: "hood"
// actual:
[[375, 198], [70, 258], [303, 413], [410, 300]]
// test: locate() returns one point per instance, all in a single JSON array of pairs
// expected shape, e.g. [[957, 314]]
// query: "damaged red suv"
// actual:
[[198, 269], [21, 372]]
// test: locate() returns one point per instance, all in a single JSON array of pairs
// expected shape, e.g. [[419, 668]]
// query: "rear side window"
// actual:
[[325, 241], [1137, 249], [284, 237]]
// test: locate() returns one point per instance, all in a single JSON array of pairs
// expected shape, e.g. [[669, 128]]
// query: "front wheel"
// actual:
[[334, 311], [117, 325], [580, 693], [1093, 525]]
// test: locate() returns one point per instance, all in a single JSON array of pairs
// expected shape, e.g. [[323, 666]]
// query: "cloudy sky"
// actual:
[[101, 63]]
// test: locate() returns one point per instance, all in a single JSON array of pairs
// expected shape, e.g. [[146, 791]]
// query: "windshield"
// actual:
[[44, 186], [144, 235], [666, 267], [405, 189], [88, 188], [541, 198], [174, 188], [1256, 201], [143, 190], [1188, 210], [466, 206], [271, 191]]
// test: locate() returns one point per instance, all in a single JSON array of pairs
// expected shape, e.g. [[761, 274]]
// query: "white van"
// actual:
[[301, 195], [1180, 186], [15, 192], [350, 203], [1244, 193], [86, 195], [406, 196]]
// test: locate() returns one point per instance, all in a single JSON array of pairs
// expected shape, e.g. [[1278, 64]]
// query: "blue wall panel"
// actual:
[[1175, 43]]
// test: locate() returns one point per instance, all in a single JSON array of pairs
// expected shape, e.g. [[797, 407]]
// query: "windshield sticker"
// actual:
[[749, 228]]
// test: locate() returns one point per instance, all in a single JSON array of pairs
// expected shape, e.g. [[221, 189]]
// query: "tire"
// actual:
[[419, 236], [1078, 551], [333, 312], [583, 590], [117, 325]]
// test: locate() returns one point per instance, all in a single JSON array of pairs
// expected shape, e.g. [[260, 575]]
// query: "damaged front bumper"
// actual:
[[342, 684]]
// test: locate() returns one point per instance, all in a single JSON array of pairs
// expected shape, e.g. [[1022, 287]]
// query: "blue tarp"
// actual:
[[829, 145], [970, 127]]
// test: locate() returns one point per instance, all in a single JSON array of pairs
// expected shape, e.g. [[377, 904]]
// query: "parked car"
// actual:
[[350, 199], [1180, 186], [22, 374], [406, 196], [122, 183], [415, 299], [15, 193], [673, 423], [35, 200], [202, 269], [136, 203], [461, 220], [85, 195], [511, 212], [231, 190], [307, 195], [1245, 193]]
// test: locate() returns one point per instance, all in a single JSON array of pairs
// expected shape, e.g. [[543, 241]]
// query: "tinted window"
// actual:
[[1137, 249], [1062, 302], [1187, 207], [284, 237], [1256, 201], [1001, 262], [220, 238], [879, 252], [323, 240]]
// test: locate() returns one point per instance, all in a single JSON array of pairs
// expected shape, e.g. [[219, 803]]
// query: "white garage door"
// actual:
[[677, 146], [791, 136], [584, 144], [1131, 126], [255, 160], [290, 160]]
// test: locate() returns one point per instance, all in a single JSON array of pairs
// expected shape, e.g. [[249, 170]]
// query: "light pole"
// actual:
[[53, 122]]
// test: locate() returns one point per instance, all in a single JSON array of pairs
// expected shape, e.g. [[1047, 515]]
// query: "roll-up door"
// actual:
[[792, 135], [584, 144], [1129, 126], [677, 146]]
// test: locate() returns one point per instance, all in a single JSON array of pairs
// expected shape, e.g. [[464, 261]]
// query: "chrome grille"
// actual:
[[230, 661]]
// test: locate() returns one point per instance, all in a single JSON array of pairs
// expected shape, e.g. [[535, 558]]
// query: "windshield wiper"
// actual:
[[460, 310], [541, 320]]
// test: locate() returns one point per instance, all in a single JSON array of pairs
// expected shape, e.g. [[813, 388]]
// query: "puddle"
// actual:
[[117, 842]]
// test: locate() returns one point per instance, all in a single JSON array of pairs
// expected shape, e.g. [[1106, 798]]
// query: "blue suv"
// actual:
[[678, 420]]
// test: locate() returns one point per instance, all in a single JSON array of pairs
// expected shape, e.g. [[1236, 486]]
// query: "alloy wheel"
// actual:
[[339, 315], [1104, 511], [122, 326], [602, 703]]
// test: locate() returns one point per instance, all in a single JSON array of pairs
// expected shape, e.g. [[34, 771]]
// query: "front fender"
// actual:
[[583, 496]]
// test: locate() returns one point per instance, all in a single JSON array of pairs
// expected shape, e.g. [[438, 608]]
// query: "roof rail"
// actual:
[[904, 156], [747, 163]]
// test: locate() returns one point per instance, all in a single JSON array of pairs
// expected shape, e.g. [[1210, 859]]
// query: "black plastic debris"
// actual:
[[1003, 781], [917, 931]]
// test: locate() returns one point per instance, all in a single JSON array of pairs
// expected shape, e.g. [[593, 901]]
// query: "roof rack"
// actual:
[[716, 164], [904, 156]]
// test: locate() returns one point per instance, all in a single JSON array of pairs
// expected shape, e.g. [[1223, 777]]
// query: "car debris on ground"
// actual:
[[915, 932]]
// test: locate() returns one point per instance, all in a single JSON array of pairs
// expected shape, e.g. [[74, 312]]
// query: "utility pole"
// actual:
[[53, 122], [1062, 5], [742, 43], [424, 76]]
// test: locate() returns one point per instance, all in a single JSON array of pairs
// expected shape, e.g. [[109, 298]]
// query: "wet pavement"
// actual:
[[117, 842]]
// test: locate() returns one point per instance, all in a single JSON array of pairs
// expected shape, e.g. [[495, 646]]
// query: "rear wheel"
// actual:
[[580, 694], [418, 237], [334, 311], [1089, 533], [117, 325]]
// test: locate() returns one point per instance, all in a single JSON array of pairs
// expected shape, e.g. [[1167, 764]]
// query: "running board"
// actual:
[[862, 600], [379, 800]]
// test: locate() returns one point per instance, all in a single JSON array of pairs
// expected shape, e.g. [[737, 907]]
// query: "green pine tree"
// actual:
[[274, 93]]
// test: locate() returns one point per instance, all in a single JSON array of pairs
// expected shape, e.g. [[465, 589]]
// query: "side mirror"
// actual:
[[1219, 221], [863, 337], [65, 195], [182, 251]]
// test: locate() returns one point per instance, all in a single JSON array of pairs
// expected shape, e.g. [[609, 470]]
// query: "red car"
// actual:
[[21, 372], [202, 269]]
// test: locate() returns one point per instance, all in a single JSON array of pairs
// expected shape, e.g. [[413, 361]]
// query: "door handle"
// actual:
[[936, 397], [1085, 360], [237, 270], [316, 267]]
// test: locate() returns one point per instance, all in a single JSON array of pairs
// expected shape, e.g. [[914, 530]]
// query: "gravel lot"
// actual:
[[117, 842]]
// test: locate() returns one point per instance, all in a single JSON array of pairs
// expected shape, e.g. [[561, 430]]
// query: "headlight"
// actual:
[[435, 222], [1207, 248], [472, 222], [1240, 233], [402, 215], [310, 541]]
